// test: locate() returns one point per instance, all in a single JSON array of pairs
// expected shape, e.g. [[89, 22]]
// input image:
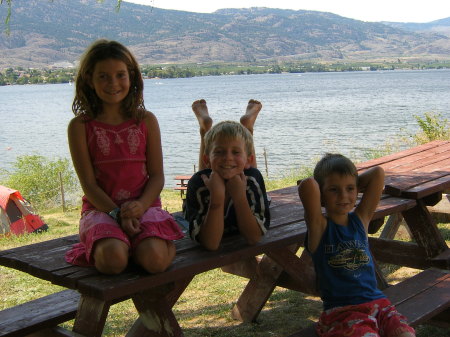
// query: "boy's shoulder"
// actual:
[[196, 179], [253, 172]]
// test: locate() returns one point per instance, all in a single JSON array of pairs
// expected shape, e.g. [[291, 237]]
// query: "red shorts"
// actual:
[[96, 225], [371, 319]]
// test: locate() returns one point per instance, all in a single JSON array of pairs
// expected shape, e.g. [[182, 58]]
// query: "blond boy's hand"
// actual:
[[236, 186], [215, 184]]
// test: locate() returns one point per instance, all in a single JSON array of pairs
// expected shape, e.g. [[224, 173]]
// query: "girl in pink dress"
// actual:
[[115, 146]]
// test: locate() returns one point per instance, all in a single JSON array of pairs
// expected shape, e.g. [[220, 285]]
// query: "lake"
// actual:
[[303, 115]]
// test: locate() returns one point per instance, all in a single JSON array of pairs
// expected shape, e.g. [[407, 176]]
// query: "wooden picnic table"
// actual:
[[181, 185], [154, 295], [421, 173], [271, 262]]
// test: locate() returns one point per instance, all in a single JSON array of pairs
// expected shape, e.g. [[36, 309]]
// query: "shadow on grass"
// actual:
[[286, 312]]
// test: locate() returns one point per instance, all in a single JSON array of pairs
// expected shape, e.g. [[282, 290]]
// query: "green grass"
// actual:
[[204, 309]]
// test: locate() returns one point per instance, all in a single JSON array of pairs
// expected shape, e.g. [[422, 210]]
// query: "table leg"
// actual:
[[424, 230], [299, 269], [155, 311], [391, 227], [91, 316], [258, 290], [381, 280]]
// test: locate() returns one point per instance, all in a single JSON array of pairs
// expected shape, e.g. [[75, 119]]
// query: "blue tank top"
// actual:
[[344, 265]]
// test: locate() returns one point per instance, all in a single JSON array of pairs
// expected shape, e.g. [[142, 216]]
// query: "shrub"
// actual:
[[433, 127], [38, 178]]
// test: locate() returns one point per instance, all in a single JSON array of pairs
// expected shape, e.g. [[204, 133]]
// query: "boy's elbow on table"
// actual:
[[211, 247], [254, 239]]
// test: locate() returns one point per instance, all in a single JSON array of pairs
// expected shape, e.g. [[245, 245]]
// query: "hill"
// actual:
[[44, 33]]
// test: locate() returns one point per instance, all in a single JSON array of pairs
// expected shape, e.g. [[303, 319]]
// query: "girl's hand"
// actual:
[[130, 226], [132, 209], [236, 186]]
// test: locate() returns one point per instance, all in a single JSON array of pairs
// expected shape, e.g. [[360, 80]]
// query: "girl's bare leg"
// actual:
[[248, 120], [110, 255], [205, 122], [155, 254]]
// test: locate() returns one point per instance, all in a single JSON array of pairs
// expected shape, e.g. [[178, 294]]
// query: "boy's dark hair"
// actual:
[[86, 101], [333, 163]]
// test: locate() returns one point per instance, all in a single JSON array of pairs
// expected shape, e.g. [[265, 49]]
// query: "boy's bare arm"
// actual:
[[371, 183], [211, 230], [309, 193], [247, 223]]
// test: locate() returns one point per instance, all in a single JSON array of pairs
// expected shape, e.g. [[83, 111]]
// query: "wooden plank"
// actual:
[[183, 177], [426, 304], [398, 155], [91, 316], [424, 229], [232, 249], [414, 285], [35, 315], [418, 298], [442, 319], [426, 161], [435, 186], [140, 329], [55, 332], [301, 271], [399, 253], [414, 182], [257, 292], [392, 226], [155, 313], [389, 205], [442, 260], [432, 161]]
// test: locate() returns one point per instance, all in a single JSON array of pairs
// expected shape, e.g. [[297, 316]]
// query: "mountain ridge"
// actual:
[[45, 34]]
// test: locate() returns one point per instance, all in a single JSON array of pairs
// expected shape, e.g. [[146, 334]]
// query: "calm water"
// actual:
[[303, 116]]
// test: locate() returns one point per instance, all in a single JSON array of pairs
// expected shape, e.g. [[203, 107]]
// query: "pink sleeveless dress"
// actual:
[[118, 155]]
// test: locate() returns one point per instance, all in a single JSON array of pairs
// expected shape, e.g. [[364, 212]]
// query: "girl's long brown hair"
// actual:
[[86, 101]]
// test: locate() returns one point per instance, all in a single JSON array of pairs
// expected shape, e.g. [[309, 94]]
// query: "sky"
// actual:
[[364, 10]]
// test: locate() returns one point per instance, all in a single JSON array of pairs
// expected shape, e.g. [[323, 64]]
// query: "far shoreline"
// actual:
[[22, 76]]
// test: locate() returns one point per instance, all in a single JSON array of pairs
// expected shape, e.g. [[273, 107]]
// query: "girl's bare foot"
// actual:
[[201, 112], [253, 108]]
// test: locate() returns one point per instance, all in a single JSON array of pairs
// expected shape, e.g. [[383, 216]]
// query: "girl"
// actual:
[[116, 151]]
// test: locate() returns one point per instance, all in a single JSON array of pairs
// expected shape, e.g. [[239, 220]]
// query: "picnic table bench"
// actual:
[[271, 262], [419, 298]]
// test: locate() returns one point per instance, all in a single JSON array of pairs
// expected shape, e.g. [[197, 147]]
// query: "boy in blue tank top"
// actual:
[[339, 247]]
